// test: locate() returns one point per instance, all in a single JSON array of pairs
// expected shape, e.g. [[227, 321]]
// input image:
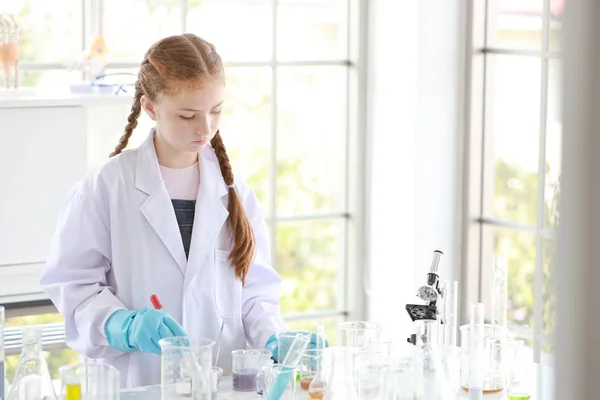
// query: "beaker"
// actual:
[[263, 369], [82, 381], [359, 333], [245, 368], [32, 380], [186, 368], [493, 372], [370, 372], [264, 360], [400, 380]]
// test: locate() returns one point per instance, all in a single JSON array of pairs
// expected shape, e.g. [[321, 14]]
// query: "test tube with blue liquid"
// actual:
[[287, 368]]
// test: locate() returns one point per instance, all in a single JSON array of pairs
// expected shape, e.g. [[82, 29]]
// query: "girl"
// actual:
[[169, 219]]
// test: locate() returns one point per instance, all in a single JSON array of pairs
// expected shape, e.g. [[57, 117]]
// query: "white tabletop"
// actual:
[[540, 387]]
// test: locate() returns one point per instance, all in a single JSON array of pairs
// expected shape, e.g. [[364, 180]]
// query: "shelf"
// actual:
[[27, 98]]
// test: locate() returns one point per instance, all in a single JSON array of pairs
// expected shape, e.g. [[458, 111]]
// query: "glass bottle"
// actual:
[[433, 382], [32, 379]]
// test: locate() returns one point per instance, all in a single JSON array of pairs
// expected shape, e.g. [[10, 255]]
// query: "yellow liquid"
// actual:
[[73, 392], [315, 394], [519, 396]]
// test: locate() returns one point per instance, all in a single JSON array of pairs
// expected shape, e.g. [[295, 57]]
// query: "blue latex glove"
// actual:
[[141, 330], [272, 344]]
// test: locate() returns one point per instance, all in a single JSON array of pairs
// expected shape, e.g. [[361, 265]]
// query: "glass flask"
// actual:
[[338, 370], [433, 383], [32, 379]]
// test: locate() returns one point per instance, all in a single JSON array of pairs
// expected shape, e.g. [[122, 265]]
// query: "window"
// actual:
[[290, 79], [514, 160], [55, 350]]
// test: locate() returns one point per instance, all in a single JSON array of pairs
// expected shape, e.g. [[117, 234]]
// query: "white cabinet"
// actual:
[[46, 146]]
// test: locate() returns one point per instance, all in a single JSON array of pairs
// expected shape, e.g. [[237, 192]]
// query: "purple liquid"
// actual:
[[244, 380]]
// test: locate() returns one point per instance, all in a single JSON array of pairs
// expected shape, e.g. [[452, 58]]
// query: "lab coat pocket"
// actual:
[[228, 289]]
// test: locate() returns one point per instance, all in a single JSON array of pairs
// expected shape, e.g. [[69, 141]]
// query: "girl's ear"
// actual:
[[148, 107]]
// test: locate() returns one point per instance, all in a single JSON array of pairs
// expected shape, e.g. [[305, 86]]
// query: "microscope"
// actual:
[[429, 293]]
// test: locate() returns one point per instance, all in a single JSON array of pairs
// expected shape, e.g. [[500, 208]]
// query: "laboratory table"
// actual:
[[541, 379]]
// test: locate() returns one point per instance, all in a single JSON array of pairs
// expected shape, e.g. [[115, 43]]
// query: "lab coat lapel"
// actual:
[[210, 215], [158, 208]]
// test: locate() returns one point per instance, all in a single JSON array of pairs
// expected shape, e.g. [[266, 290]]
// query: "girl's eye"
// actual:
[[187, 118]]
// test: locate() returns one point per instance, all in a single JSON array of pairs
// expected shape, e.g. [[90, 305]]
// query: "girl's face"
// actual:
[[187, 121]]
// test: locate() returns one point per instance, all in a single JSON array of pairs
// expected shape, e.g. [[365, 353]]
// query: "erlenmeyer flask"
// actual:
[[338, 363], [32, 379], [434, 384], [318, 383]]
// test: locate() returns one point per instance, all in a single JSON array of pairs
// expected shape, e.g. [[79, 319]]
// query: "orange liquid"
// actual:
[[305, 382], [316, 394], [487, 389]]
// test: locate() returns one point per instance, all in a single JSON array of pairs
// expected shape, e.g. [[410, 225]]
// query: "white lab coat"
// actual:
[[117, 242]]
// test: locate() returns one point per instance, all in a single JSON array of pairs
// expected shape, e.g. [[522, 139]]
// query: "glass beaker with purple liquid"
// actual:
[[245, 368]]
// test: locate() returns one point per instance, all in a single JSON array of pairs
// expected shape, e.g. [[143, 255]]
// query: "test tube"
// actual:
[[500, 292], [476, 355], [288, 366], [450, 312], [2, 396]]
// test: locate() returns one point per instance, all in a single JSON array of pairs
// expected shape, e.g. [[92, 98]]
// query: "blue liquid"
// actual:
[[2, 380], [280, 384]]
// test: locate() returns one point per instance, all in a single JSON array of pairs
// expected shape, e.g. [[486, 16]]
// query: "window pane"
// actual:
[[515, 24], [49, 31], [331, 327], [549, 288], [312, 30], [513, 126], [519, 249], [311, 141], [557, 12], [553, 143], [218, 20], [246, 127], [128, 41], [310, 257]]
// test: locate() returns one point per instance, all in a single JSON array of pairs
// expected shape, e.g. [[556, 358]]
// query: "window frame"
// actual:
[[479, 172], [353, 213]]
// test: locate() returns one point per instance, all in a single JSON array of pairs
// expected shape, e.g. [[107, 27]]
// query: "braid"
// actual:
[[241, 231], [132, 120], [219, 147]]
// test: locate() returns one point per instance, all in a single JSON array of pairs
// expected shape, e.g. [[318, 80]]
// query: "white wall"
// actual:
[[577, 325], [414, 126]]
